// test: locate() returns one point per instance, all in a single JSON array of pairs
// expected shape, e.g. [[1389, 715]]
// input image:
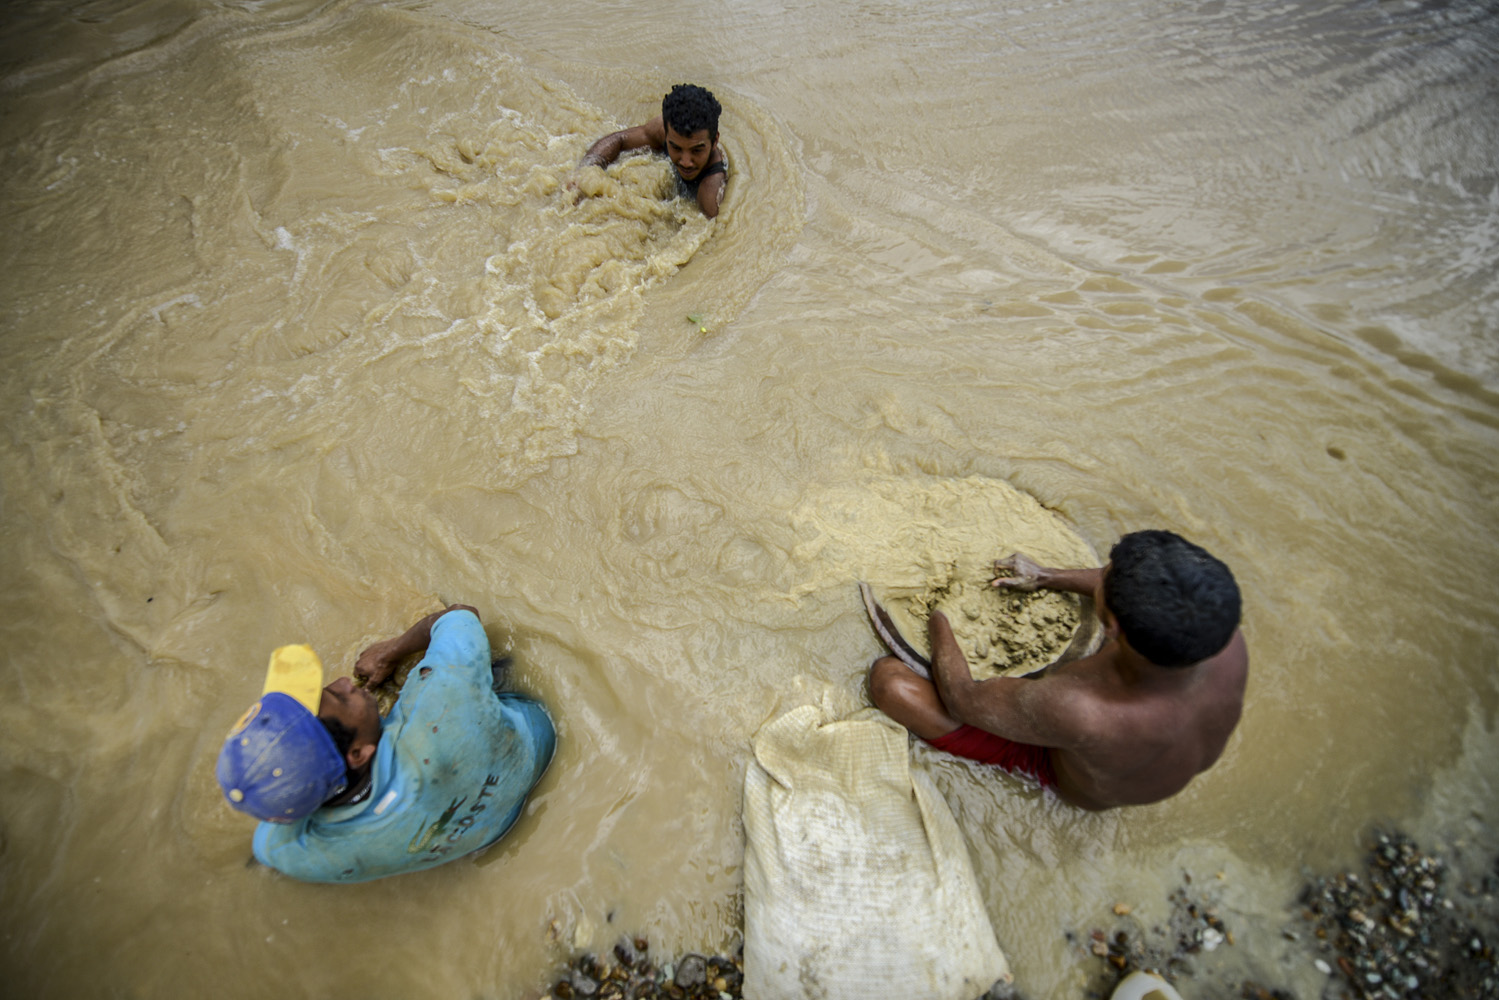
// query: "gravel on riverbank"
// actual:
[[1404, 926], [630, 973], [1397, 929]]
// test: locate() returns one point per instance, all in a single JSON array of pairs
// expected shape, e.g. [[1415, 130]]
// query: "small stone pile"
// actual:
[[633, 975], [1195, 928], [1394, 933]]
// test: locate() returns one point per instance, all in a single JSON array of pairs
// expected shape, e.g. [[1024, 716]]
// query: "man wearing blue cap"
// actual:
[[346, 796]]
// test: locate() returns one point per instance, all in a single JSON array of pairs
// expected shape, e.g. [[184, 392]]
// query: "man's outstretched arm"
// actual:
[[1020, 572], [377, 662], [606, 150], [1021, 709]]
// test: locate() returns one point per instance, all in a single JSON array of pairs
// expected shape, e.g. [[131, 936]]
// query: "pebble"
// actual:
[[633, 976], [1194, 927], [692, 971]]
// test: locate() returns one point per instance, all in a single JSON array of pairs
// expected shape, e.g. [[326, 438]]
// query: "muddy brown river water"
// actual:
[[302, 336]]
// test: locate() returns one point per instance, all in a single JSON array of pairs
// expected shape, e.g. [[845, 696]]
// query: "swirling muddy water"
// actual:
[[304, 334]]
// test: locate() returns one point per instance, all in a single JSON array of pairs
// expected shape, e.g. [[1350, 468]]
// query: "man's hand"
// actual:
[[1018, 572], [1021, 572], [574, 183], [378, 662]]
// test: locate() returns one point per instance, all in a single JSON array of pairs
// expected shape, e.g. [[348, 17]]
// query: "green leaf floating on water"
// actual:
[[696, 319]]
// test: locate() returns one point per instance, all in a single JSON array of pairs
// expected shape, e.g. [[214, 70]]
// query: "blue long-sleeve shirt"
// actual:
[[450, 775]]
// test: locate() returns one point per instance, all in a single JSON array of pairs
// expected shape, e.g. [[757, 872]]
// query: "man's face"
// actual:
[[689, 153], [354, 707]]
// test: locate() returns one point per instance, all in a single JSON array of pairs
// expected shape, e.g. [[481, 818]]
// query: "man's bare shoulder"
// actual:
[[1235, 655], [1227, 675], [1106, 703], [654, 132], [1093, 676]]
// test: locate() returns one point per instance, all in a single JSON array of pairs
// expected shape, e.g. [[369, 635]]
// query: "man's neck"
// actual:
[[358, 790], [1138, 672]]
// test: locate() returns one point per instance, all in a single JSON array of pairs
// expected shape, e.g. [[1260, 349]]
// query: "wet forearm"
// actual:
[[416, 638], [709, 196], [605, 151], [1071, 581], [993, 705], [950, 671], [376, 663]]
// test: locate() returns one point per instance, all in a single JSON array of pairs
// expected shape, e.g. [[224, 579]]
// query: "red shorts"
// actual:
[[986, 748]]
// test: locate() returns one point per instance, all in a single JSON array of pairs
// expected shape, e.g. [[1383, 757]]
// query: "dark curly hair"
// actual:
[[1175, 603], [688, 108]]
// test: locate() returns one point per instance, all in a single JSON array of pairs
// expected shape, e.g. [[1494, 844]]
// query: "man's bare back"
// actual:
[[1147, 732], [1118, 727]]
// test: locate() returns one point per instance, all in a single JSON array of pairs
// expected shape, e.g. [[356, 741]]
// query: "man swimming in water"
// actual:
[[1131, 724], [687, 131]]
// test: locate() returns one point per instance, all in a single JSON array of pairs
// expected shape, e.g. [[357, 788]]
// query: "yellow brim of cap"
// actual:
[[297, 672]]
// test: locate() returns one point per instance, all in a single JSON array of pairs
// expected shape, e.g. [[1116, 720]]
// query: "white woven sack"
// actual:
[[857, 880]]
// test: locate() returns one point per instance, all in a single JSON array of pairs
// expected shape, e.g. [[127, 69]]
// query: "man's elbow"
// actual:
[[959, 702]]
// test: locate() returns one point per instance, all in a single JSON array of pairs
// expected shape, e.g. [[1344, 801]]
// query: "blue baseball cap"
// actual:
[[279, 763]]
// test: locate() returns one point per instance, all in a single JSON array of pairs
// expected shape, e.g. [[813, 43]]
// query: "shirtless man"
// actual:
[[687, 131], [1131, 724]]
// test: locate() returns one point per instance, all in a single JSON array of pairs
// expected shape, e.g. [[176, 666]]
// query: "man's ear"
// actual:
[[359, 755], [1110, 624], [1113, 633]]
